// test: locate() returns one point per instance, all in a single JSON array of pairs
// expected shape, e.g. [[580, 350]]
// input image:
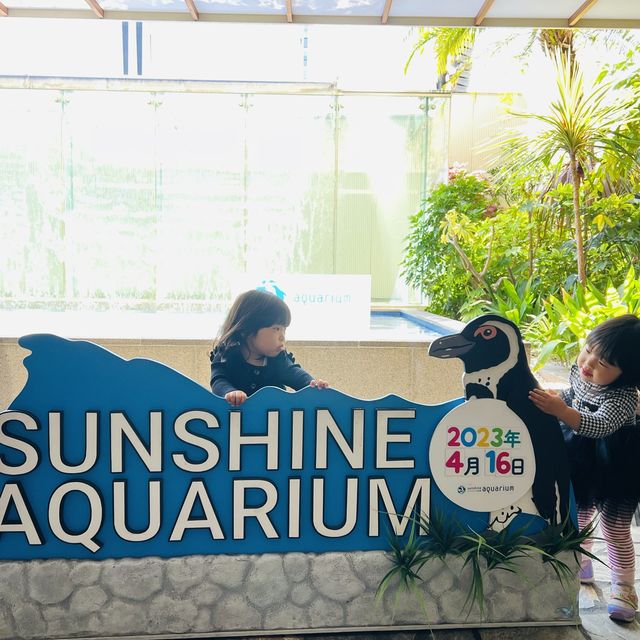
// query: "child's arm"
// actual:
[[223, 388], [294, 376], [221, 385], [612, 414], [552, 403]]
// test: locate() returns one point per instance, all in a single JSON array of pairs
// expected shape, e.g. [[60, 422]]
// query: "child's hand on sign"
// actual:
[[235, 398], [547, 400], [319, 384]]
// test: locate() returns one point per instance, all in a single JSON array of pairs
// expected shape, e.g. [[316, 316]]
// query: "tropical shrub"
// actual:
[[589, 132], [562, 208], [519, 302], [560, 330], [431, 265]]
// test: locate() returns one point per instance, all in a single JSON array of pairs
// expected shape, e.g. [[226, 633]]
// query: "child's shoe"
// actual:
[[623, 603], [586, 571]]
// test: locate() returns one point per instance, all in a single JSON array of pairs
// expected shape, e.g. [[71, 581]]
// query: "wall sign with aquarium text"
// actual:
[[102, 457]]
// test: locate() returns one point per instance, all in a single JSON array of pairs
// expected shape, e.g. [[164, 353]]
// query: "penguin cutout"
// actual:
[[496, 367]]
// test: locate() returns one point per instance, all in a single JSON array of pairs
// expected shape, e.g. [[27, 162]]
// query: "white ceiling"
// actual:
[[487, 13]]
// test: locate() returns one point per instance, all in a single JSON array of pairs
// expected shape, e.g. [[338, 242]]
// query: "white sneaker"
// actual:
[[623, 603]]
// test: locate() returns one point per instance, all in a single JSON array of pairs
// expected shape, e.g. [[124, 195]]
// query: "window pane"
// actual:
[[158, 201]]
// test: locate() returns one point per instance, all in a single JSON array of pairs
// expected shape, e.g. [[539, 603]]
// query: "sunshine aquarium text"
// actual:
[[106, 484]]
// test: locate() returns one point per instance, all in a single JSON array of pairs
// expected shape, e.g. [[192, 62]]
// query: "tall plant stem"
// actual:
[[577, 220], [478, 277]]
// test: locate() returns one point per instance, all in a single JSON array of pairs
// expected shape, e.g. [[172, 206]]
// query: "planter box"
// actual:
[[266, 594]]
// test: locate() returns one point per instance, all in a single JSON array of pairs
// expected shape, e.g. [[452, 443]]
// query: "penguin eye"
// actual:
[[486, 331]]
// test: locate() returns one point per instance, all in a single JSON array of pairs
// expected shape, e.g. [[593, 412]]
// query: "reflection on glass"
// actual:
[[157, 202]]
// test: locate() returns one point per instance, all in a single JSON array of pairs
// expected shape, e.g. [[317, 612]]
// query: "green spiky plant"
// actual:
[[563, 537], [497, 550], [443, 537], [500, 550]]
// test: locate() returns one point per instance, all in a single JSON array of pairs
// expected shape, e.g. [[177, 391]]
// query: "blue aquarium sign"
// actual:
[[102, 457]]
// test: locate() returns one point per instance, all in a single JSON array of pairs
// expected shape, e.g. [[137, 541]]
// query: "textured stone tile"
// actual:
[[324, 612], [49, 582], [332, 576], [28, 620], [123, 618], [233, 612], [85, 573], [184, 573], [266, 584], [170, 615], [87, 600], [133, 579]]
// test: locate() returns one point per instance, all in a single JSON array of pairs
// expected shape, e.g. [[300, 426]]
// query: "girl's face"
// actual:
[[268, 341], [594, 369]]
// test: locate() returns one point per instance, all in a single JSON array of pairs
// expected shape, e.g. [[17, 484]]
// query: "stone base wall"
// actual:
[[261, 594]]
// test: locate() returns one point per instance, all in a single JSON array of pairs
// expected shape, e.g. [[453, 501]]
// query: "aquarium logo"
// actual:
[[270, 286]]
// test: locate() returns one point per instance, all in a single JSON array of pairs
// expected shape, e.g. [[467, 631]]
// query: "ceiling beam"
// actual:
[[289, 4], [191, 5], [582, 9], [96, 8], [301, 18], [385, 13], [484, 9]]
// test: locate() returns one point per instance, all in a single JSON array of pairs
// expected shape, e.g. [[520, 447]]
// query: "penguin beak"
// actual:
[[450, 347]]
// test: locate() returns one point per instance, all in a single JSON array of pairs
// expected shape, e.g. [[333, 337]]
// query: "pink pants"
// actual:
[[616, 531]]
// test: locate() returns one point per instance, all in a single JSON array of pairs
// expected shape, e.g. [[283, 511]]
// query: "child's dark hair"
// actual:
[[617, 341], [251, 311]]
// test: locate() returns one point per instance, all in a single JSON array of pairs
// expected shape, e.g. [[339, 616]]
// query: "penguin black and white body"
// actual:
[[495, 365]]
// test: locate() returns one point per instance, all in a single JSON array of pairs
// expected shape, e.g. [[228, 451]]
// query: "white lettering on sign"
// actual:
[[237, 440], [136, 511], [197, 490], [384, 439], [11, 493], [380, 491], [84, 538], [261, 513], [90, 438], [208, 446], [121, 428], [351, 509], [29, 452], [325, 425], [119, 511]]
